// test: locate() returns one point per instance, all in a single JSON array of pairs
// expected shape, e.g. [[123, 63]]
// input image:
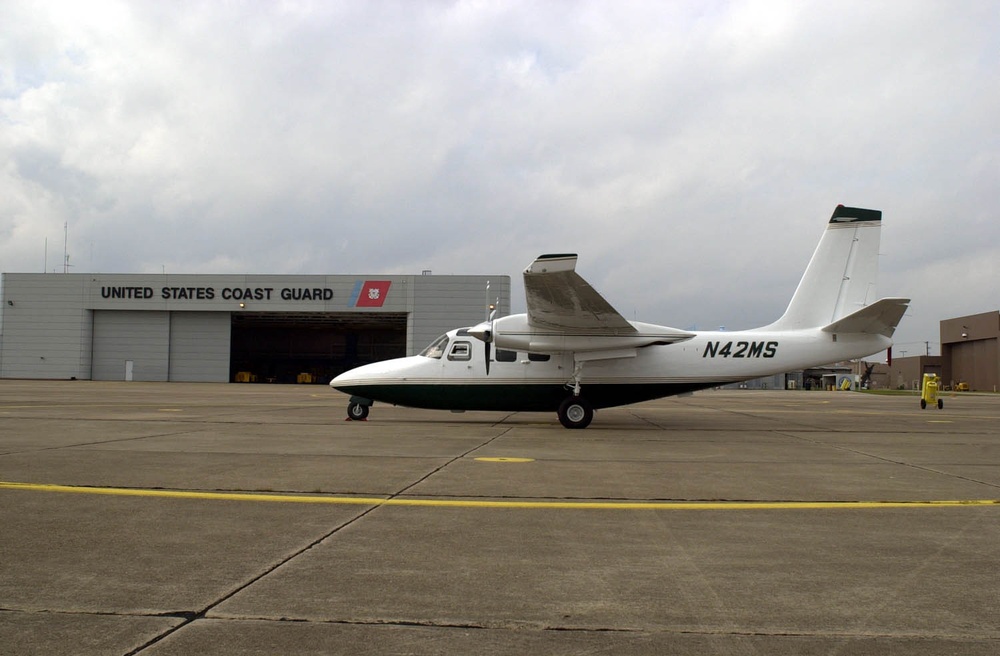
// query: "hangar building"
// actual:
[[970, 347], [218, 328]]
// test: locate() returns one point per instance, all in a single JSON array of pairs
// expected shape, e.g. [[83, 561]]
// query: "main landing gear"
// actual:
[[575, 412]]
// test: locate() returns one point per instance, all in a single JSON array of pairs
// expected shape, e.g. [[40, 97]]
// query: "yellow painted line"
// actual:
[[452, 503], [504, 459]]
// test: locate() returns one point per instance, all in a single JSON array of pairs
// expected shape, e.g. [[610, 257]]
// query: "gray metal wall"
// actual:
[[442, 303], [162, 346], [122, 336], [199, 347], [46, 327]]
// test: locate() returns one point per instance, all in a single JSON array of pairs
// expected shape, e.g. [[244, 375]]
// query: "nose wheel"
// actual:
[[575, 412], [357, 411]]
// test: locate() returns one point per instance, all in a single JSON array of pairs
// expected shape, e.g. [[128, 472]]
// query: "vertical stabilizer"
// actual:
[[840, 278]]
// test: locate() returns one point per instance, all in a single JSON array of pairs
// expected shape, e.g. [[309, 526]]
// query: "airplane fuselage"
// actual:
[[455, 377]]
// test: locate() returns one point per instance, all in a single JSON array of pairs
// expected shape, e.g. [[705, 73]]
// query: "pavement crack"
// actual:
[[135, 438], [508, 625], [187, 615], [192, 616], [449, 462], [891, 461]]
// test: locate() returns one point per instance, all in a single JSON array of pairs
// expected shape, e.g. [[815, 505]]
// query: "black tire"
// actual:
[[923, 404], [575, 412], [357, 412], [940, 404]]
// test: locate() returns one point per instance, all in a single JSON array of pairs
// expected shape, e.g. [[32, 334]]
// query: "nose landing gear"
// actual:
[[357, 408]]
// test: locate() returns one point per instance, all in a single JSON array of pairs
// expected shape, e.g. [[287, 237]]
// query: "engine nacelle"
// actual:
[[513, 333]]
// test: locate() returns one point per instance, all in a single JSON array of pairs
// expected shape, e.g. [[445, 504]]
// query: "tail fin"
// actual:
[[840, 278]]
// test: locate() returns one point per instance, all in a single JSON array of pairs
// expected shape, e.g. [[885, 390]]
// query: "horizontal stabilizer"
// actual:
[[879, 318]]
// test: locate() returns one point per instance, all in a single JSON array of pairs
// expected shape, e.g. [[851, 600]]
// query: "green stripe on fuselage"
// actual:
[[515, 397]]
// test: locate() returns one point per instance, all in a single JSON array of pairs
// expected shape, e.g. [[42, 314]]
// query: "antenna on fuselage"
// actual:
[[488, 307]]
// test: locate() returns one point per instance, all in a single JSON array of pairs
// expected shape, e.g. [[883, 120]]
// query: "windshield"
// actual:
[[436, 349]]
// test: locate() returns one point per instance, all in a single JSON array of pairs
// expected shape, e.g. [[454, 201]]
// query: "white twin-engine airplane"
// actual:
[[573, 353]]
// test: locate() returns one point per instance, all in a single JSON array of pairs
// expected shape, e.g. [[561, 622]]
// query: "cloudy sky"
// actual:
[[690, 152]]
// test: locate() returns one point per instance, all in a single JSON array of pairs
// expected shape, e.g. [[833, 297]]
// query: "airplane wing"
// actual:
[[558, 298], [879, 318]]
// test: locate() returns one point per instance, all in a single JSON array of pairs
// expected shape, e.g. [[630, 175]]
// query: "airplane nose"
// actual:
[[344, 378]]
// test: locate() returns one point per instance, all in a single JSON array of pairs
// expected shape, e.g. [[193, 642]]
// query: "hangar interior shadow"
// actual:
[[281, 347]]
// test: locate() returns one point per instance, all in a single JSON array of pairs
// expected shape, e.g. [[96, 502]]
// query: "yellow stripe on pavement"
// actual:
[[471, 503]]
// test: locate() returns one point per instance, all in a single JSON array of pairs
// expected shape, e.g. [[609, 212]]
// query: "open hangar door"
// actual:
[[281, 347]]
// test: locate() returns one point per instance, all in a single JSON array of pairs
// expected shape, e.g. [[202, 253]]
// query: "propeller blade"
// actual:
[[484, 331], [493, 314]]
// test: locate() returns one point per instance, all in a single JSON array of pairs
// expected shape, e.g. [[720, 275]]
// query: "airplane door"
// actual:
[[460, 362]]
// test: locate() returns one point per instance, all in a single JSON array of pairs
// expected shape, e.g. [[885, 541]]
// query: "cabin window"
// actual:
[[436, 349], [461, 351], [538, 357], [504, 355]]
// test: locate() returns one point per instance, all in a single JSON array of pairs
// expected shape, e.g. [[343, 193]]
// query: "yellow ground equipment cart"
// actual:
[[929, 392]]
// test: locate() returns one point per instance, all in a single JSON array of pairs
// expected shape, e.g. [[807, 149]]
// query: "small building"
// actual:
[[970, 347], [908, 373]]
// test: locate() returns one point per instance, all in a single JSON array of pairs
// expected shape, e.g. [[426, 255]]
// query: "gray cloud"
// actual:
[[690, 152]]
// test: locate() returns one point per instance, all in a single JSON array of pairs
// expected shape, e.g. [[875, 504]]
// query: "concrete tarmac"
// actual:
[[167, 519]]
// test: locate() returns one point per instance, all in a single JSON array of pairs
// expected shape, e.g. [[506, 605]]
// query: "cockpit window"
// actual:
[[461, 351], [436, 349]]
